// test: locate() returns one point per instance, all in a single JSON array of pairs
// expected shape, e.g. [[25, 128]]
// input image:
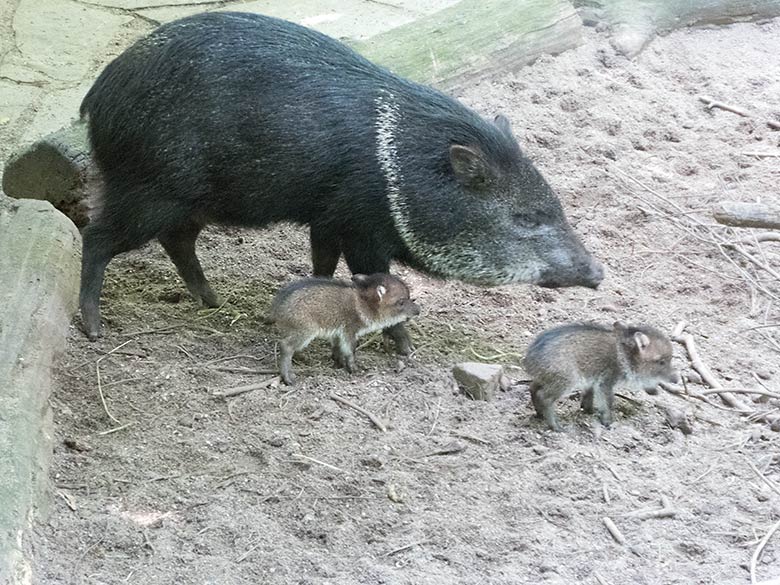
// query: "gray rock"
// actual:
[[477, 380], [678, 419], [39, 267]]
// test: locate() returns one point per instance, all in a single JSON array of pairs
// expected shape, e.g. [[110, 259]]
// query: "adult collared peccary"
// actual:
[[243, 119], [341, 312], [594, 359]]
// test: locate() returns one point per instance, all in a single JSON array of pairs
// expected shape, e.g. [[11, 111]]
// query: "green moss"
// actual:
[[138, 297], [468, 37]]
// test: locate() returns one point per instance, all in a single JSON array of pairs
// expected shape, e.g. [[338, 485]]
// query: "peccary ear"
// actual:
[[380, 291], [503, 124], [360, 280], [469, 165], [641, 340], [618, 327]]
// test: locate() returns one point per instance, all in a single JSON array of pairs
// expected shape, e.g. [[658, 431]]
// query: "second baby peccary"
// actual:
[[340, 311], [593, 359]]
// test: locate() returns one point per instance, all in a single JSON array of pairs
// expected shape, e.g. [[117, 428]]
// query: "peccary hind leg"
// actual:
[[103, 238], [543, 401], [179, 243], [287, 348]]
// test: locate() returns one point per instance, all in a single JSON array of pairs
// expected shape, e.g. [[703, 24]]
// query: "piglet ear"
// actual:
[[502, 122], [469, 166], [380, 291], [641, 340], [360, 279], [618, 327]]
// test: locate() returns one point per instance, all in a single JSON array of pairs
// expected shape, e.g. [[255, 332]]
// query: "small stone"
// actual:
[[692, 377], [400, 366], [172, 297], [76, 445], [186, 421], [775, 426], [276, 441], [392, 494], [504, 383], [678, 419], [372, 461], [764, 374], [479, 381]]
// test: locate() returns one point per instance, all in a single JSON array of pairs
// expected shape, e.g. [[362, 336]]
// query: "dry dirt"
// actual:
[[285, 486]]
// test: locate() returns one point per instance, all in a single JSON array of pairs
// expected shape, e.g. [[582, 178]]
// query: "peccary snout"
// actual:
[[588, 272]]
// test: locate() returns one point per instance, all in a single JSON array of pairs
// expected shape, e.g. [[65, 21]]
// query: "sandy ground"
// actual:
[[285, 486]]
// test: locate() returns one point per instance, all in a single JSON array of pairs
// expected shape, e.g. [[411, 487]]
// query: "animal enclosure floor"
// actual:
[[287, 486]]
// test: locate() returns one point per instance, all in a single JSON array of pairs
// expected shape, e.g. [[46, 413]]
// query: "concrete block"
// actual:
[[479, 381]]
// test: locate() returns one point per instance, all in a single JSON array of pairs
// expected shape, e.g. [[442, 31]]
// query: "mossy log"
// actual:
[[38, 293], [56, 169], [634, 23], [475, 39], [753, 215]]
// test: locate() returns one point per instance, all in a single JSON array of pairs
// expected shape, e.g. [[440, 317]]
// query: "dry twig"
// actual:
[[100, 386], [763, 478], [372, 417], [614, 530], [759, 550], [401, 549], [711, 103], [318, 462], [248, 388]]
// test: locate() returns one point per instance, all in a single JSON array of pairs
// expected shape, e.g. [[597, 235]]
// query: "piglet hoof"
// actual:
[[606, 420], [403, 343], [288, 378]]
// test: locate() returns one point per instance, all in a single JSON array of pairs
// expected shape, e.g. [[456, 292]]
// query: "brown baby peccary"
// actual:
[[593, 359], [339, 311]]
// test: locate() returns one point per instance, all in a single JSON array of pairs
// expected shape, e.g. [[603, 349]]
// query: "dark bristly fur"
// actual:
[[248, 120]]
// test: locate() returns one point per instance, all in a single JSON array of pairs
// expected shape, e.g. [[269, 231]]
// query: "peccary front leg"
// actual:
[[179, 243], [365, 257], [544, 398], [400, 336], [603, 399], [344, 348], [325, 251], [586, 400]]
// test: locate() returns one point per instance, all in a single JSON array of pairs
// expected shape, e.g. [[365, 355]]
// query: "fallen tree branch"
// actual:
[[686, 339], [741, 214]]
